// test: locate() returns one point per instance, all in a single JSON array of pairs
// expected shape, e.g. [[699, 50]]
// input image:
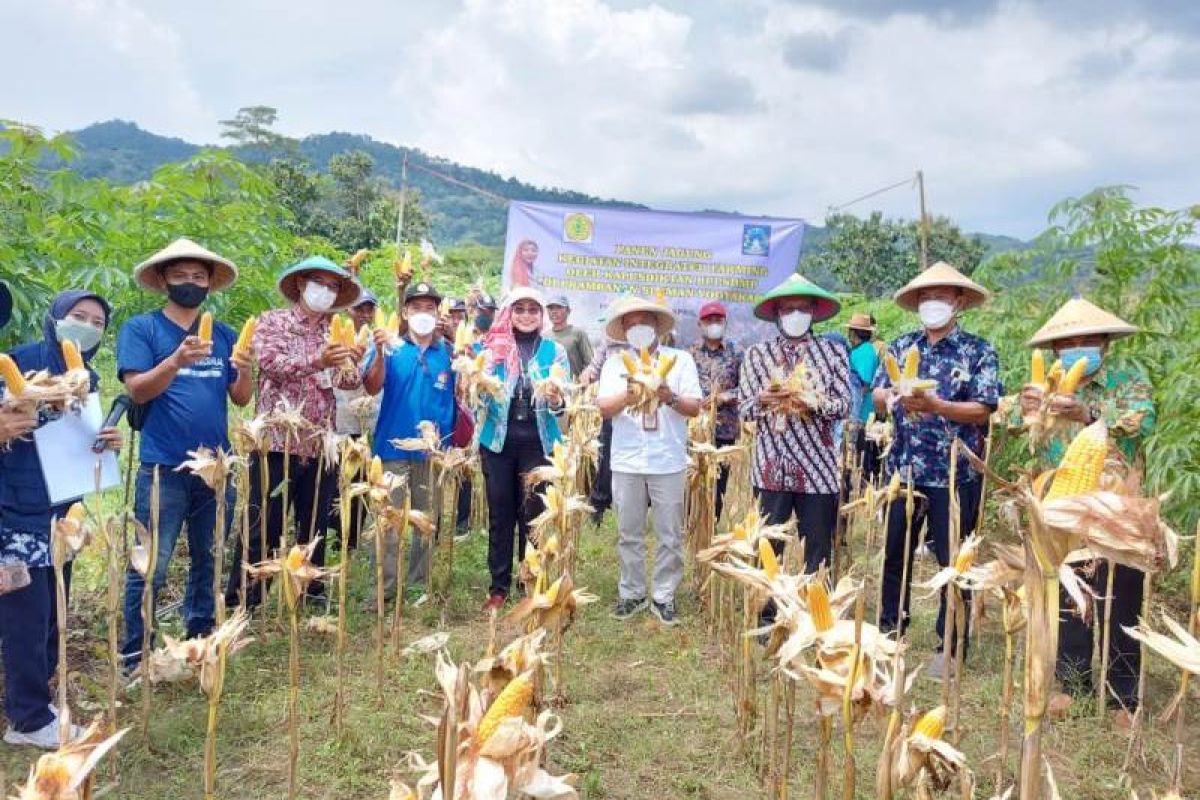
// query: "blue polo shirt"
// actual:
[[193, 412], [417, 385]]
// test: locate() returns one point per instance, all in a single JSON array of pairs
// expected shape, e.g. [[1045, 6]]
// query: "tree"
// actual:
[[876, 256], [252, 127]]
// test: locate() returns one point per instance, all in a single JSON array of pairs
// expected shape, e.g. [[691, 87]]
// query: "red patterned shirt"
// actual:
[[288, 345], [794, 453]]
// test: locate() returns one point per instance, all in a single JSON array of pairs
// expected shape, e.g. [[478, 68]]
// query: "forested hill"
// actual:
[[125, 153]]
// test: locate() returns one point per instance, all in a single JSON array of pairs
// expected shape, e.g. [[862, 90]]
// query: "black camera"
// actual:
[[522, 408]]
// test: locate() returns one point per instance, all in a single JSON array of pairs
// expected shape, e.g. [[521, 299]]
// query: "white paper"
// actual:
[[64, 448]]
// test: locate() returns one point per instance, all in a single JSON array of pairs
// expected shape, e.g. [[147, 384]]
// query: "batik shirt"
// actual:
[[288, 344], [1121, 397], [719, 370], [793, 453], [966, 369]]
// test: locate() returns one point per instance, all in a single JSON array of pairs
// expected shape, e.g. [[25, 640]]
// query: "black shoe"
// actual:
[[627, 608], [665, 612]]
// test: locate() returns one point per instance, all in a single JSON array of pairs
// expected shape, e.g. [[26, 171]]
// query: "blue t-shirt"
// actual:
[[417, 386], [193, 412]]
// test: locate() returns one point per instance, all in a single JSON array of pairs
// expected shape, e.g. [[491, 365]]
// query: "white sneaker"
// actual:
[[45, 737]]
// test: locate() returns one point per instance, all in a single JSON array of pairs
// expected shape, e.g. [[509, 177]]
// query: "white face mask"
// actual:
[[795, 323], [422, 324], [317, 297], [641, 336], [714, 330], [935, 314]]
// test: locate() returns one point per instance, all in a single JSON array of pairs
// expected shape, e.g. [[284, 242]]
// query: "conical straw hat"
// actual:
[[664, 320], [941, 274], [148, 275], [1078, 317]]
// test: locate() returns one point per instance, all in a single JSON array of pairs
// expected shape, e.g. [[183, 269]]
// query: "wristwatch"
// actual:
[[674, 399]]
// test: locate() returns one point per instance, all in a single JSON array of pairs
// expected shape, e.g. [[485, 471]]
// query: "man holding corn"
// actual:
[[1121, 396], [949, 387], [796, 386]]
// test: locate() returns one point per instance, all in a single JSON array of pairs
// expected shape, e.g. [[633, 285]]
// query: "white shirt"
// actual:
[[655, 452]]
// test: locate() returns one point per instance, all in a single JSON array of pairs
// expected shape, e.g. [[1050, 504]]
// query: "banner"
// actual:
[[594, 254]]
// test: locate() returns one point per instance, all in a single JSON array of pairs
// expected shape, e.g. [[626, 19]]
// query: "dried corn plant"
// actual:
[[252, 436], [431, 445], [551, 609], [476, 379], [704, 468], [34, 391], [802, 393], [214, 468], [645, 373], [69, 534], [67, 773], [352, 461], [915, 757]]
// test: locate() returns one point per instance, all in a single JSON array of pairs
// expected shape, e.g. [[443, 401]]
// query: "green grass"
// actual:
[[648, 714]]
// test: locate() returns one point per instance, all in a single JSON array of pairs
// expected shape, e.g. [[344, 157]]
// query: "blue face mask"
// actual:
[[1090, 354]]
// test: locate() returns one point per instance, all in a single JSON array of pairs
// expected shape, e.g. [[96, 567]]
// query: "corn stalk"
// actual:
[[1105, 640], [210, 733], [1193, 623], [148, 605], [264, 486], [344, 520], [1041, 645], [60, 550]]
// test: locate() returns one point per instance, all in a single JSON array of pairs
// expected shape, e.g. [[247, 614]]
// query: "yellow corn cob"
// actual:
[[246, 337], [375, 475], [75, 512], [295, 559], [356, 260], [665, 365], [511, 702], [462, 337], [964, 561], [13, 379], [393, 323], [631, 365], [766, 554], [380, 318], [364, 336], [481, 361], [1037, 368], [644, 355], [1074, 375], [403, 268], [552, 593], [932, 723], [739, 532], [71, 355], [893, 368], [1082, 464], [912, 363], [1055, 374], [204, 331], [818, 606], [552, 547]]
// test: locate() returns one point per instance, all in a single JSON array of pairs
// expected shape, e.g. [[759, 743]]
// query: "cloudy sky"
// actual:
[[763, 106]]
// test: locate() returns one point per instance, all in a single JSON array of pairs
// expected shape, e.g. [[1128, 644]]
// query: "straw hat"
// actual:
[[664, 320], [798, 286], [289, 281], [524, 293], [148, 272], [1078, 317], [861, 322], [941, 274]]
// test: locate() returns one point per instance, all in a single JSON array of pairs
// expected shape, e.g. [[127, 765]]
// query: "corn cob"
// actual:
[[1037, 369], [644, 355], [356, 260], [246, 337], [511, 702], [402, 268], [295, 559], [893, 368], [1074, 375], [380, 318], [204, 331], [665, 365], [364, 336], [912, 363], [630, 363], [552, 593], [966, 557], [393, 323], [931, 724], [766, 554], [1082, 464], [13, 379], [375, 475], [71, 355], [1055, 374], [818, 606], [75, 512]]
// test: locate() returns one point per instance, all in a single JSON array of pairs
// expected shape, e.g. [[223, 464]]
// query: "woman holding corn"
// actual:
[[518, 432], [1091, 389], [947, 391], [28, 624], [299, 364]]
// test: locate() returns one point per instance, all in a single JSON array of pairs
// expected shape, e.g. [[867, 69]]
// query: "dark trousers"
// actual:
[[600, 497], [722, 479], [816, 518], [510, 507], [29, 638], [463, 513], [867, 452], [1076, 637], [933, 512], [303, 483]]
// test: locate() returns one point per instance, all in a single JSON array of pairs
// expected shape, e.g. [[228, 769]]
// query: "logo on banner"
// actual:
[[578, 227], [756, 240]]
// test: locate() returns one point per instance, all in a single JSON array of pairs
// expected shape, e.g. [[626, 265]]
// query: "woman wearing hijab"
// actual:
[[12, 423], [28, 626], [521, 272], [518, 432]]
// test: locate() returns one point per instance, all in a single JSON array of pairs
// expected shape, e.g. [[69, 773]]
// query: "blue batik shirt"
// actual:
[[966, 369]]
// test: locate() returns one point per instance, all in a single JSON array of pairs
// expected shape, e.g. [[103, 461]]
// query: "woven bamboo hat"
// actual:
[[1078, 317], [149, 272], [941, 274], [827, 304], [664, 320]]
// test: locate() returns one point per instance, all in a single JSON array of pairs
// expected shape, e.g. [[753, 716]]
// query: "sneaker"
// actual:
[[937, 666], [45, 737], [493, 603], [627, 608], [665, 612]]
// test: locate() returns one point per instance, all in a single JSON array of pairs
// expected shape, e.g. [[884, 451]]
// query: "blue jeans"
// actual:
[[183, 498]]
